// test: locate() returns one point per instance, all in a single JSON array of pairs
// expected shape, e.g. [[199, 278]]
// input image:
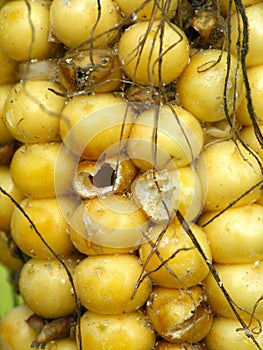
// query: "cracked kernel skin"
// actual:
[[180, 315]]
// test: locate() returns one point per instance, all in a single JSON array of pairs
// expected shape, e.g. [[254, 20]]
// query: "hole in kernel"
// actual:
[[105, 176]]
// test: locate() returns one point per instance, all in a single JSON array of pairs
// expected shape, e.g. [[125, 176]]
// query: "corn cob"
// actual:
[[136, 170]]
